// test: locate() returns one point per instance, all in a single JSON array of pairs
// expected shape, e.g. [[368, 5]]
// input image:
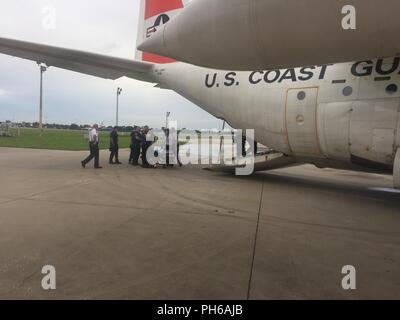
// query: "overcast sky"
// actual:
[[101, 26]]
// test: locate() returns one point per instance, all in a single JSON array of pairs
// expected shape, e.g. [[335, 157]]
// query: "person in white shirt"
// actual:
[[93, 147]]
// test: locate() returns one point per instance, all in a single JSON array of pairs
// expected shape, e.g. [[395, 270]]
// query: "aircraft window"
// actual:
[[392, 88], [348, 91], [301, 95]]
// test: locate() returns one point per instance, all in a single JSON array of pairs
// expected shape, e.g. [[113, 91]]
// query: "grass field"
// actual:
[[57, 139]]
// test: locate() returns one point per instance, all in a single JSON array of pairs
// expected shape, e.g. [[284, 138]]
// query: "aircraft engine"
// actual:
[[258, 35]]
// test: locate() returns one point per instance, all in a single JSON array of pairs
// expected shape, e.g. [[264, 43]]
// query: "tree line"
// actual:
[[72, 126]]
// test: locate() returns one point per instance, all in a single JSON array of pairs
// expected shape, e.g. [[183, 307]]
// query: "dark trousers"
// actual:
[[134, 154], [114, 153], [145, 147], [131, 155], [135, 150], [94, 154]]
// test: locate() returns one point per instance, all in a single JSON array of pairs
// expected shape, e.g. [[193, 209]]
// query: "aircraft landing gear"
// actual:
[[396, 170]]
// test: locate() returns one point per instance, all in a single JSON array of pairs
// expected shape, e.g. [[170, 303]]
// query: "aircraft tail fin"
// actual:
[[154, 14]]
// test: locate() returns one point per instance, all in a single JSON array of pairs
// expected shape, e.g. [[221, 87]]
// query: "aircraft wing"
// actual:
[[79, 61]]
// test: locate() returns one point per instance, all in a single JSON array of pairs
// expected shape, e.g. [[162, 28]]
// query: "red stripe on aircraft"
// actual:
[[149, 57], [156, 7]]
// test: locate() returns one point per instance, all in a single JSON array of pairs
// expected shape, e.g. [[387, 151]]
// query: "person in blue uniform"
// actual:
[[114, 147]]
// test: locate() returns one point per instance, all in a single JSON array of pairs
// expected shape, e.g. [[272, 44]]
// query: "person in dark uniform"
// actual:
[[114, 147], [136, 143], [93, 147], [146, 143]]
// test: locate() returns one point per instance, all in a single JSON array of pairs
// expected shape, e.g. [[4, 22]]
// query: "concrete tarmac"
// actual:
[[186, 233]]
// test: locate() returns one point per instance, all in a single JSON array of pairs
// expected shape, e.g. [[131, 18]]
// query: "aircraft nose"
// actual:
[[155, 44]]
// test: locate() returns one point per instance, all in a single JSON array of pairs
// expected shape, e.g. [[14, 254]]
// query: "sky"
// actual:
[[100, 26]]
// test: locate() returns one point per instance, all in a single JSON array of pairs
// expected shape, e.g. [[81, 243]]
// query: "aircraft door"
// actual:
[[301, 118]]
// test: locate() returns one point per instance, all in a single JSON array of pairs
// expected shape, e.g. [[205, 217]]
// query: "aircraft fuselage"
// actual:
[[332, 115]]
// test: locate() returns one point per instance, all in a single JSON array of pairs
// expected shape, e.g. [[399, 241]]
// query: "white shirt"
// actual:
[[93, 135]]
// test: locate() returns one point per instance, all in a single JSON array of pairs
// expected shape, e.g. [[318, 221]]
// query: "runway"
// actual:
[[187, 233]]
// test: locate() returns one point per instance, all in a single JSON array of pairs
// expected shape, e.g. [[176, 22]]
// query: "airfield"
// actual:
[[185, 233]]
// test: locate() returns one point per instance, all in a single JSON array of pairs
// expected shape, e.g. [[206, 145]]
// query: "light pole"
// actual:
[[43, 69], [166, 120], [119, 91]]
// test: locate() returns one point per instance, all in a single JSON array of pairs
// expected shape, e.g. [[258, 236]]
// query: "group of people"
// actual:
[[141, 141]]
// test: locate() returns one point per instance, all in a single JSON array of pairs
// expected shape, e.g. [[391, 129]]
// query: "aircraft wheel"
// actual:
[[396, 170]]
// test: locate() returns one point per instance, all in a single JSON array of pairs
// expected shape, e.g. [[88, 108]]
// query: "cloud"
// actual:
[[102, 26]]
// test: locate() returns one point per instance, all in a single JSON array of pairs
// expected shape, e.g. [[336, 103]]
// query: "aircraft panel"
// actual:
[[301, 114]]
